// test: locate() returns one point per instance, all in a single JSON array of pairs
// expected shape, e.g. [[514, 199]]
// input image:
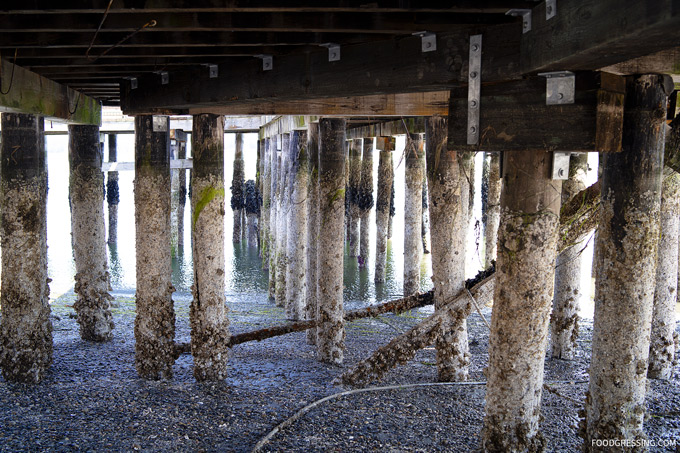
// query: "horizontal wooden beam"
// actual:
[[28, 92], [664, 62], [382, 67], [406, 104], [589, 35], [514, 116], [323, 22], [356, 6], [401, 126]]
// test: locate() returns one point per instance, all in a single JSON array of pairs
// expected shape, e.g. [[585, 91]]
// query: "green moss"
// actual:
[[340, 193], [207, 195]]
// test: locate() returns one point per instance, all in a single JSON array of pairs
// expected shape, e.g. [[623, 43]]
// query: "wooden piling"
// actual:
[[365, 199], [208, 313], [112, 191], [527, 241], [25, 326], [312, 227], [383, 203], [89, 237], [413, 211], [628, 240], [353, 184], [155, 320], [331, 332], [237, 195]]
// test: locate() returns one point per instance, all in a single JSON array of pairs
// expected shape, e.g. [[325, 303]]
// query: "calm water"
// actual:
[[243, 268]]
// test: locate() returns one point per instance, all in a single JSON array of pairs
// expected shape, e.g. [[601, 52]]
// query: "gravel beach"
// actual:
[[92, 399]]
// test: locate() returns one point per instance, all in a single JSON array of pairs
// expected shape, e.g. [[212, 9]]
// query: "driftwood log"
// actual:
[[393, 306], [402, 349]]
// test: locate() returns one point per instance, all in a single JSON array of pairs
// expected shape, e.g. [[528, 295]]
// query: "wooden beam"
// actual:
[[664, 62], [589, 35], [28, 92], [406, 104], [354, 6], [310, 21], [388, 128], [382, 67], [514, 116]]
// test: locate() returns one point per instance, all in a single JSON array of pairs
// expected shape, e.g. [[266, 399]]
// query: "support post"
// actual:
[[628, 240], [208, 314], [296, 280], [89, 238], [265, 236], [662, 344], [425, 224], [312, 227], [353, 191], [112, 191], [365, 198], [527, 241], [181, 138], [330, 342], [252, 209], [237, 198], [492, 213], [383, 204], [275, 157], [413, 212], [447, 228], [564, 317], [155, 321], [25, 326], [283, 204], [393, 210]]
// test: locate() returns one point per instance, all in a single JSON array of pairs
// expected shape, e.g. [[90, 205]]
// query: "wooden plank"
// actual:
[[382, 67], [664, 62], [589, 35], [28, 92], [254, 21], [514, 116], [354, 6], [401, 126], [402, 104]]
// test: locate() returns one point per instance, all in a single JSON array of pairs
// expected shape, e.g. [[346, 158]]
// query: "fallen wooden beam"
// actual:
[[394, 306], [402, 349]]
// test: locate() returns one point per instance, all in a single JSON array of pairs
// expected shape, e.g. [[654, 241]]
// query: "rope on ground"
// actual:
[[286, 423]]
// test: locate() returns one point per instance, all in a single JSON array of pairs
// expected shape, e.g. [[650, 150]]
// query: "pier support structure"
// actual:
[[365, 199], [413, 212], [353, 184], [312, 227], [25, 326], [330, 312], [527, 241], [296, 279], [237, 190], [624, 293], [208, 314], [383, 204], [89, 235], [112, 191], [155, 321], [447, 228]]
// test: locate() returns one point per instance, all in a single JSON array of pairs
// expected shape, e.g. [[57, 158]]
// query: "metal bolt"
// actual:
[[473, 129], [473, 75], [473, 103], [475, 48], [560, 172], [428, 44], [550, 10], [525, 24], [333, 55], [560, 96]]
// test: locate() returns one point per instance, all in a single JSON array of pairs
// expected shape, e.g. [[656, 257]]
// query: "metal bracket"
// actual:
[[165, 77], [525, 14], [333, 51], [560, 165], [428, 41], [267, 61], [474, 88], [133, 82], [159, 123], [550, 9], [559, 87], [212, 70]]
